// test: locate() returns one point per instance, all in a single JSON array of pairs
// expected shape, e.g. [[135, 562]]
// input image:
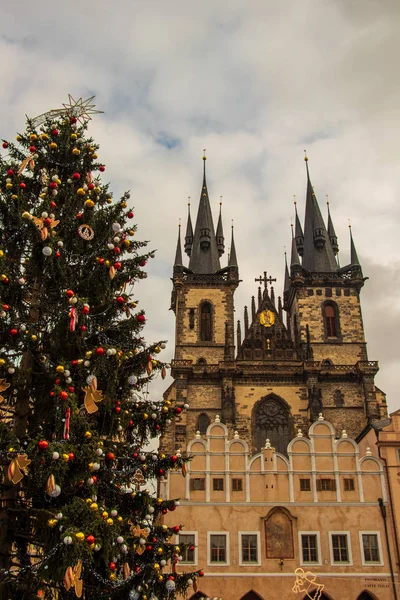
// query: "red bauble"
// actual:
[[117, 265], [158, 427], [6, 307], [201, 573], [85, 310], [91, 186], [178, 410], [176, 529], [53, 204], [100, 351], [32, 149], [173, 458], [135, 454], [112, 566], [172, 508], [141, 318], [191, 548], [76, 176], [63, 395], [74, 363], [161, 471], [142, 263], [43, 444], [57, 254], [94, 478], [47, 222], [71, 389], [101, 261], [83, 328], [130, 423], [73, 120], [54, 132], [171, 578], [102, 168], [117, 409], [79, 216], [57, 381], [10, 172], [70, 293], [130, 215], [51, 394], [22, 185], [118, 403], [117, 250], [71, 456], [90, 539], [110, 456], [13, 332], [164, 511], [5, 145], [120, 300], [53, 185]]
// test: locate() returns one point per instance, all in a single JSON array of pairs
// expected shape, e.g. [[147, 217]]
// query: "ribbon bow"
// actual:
[[18, 468], [72, 579]]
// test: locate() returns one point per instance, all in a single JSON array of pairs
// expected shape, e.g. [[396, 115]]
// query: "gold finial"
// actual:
[[232, 223], [305, 155], [327, 199], [188, 200], [204, 154], [179, 223], [220, 200], [294, 199], [349, 223]]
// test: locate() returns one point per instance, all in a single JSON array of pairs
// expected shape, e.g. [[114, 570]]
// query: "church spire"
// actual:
[[232, 255], [220, 232], [298, 235], [178, 255], [354, 261], [287, 277], [294, 259], [204, 256], [331, 231], [318, 253], [189, 233]]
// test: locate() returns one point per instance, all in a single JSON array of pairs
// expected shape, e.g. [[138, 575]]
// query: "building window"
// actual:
[[326, 485], [305, 485], [187, 544], [398, 454], [203, 423], [218, 548], [237, 485], [191, 318], [198, 484], [349, 485], [331, 319], [309, 548], [370, 547], [338, 398], [249, 546], [218, 485], [340, 549], [205, 322]]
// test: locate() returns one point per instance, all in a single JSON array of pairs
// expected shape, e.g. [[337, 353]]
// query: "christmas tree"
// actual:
[[76, 518]]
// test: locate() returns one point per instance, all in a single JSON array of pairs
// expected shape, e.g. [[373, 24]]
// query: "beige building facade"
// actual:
[[274, 405]]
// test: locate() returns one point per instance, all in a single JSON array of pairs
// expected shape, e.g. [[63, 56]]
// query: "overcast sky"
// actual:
[[254, 83]]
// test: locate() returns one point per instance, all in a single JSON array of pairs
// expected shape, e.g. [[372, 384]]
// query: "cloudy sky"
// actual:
[[254, 83]]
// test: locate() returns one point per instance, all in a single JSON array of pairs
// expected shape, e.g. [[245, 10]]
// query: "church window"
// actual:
[[309, 548], [237, 485], [328, 292], [331, 320], [191, 318], [349, 484], [202, 361], [198, 484], [202, 423], [249, 544], [218, 485], [206, 322], [305, 485], [338, 398], [271, 419], [218, 548]]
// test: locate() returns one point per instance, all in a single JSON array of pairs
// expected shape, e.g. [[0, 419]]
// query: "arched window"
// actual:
[[202, 423], [331, 320], [271, 419], [206, 322], [252, 595], [366, 596], [202, 361]]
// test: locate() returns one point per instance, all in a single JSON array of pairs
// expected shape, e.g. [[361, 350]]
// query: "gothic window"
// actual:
[[251, 596], [338, 397], [202, 423], [271, 419], [191, 318], [202, 361], [206, 322], [331, 320]]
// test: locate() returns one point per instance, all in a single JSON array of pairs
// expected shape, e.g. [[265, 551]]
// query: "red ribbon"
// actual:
[[66, 426], [73, 320]]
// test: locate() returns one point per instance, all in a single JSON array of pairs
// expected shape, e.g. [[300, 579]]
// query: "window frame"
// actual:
[[196, 547], [306, 489], [349, 481], [211, 563], [240, 488], [319, 555], [203, 303], [336, 317], [367, 563], [244, 563], [334, 563], [201, 489], [198, 423], [220, 482]]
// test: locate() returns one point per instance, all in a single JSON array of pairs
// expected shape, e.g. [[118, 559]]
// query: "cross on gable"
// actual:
[[265, 279]]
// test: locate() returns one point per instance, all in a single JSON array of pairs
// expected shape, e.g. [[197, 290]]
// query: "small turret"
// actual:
[[331, 232], [220, 233], [178, 255], [189, 234], [298, 236]]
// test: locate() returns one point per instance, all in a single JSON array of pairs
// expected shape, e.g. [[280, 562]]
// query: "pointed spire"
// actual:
[[318, 253], [253, 308], [238, 336], [272, 295], [331, 231], [220, 233], [232, 256], [294, 259], [259, 297], [280, 309], [189, 233], [204, 256], [287, 277], [178, 255], [299, 236], [246, 321], [354, 261]]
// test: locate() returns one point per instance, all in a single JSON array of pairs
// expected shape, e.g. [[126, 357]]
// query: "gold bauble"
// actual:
[[88, 434], [80, 536], [65, 457], [52, 522], [123, 205], [80, 192], [44, 136], [9, 186], [73, 136], [113, 576], [89, 203], [88, 354], [94, 506], [76, 151], [160, 578], [53, 146], [109, 200], [60, 369], [110, 522], [14, 197], [33, 137], [104, 514]]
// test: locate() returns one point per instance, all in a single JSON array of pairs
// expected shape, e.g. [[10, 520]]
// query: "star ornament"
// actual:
[[81, 109]]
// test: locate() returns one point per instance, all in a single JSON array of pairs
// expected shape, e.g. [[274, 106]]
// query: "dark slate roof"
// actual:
[[298, 230], [178, 255], [232, 255], [295, 259], [204, 260], [314, 259], [286, 285], [189, 234], [353, 252]]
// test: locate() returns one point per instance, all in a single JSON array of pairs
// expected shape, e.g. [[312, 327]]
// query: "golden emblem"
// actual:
[[306, 584], [86, 232], [267, 318]]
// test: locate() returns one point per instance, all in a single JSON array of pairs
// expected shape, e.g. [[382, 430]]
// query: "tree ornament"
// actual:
[[72, 579], [43, 444], [92, 397], [18, 468]]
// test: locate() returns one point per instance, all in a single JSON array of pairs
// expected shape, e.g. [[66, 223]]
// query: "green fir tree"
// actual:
[[74, 416]]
